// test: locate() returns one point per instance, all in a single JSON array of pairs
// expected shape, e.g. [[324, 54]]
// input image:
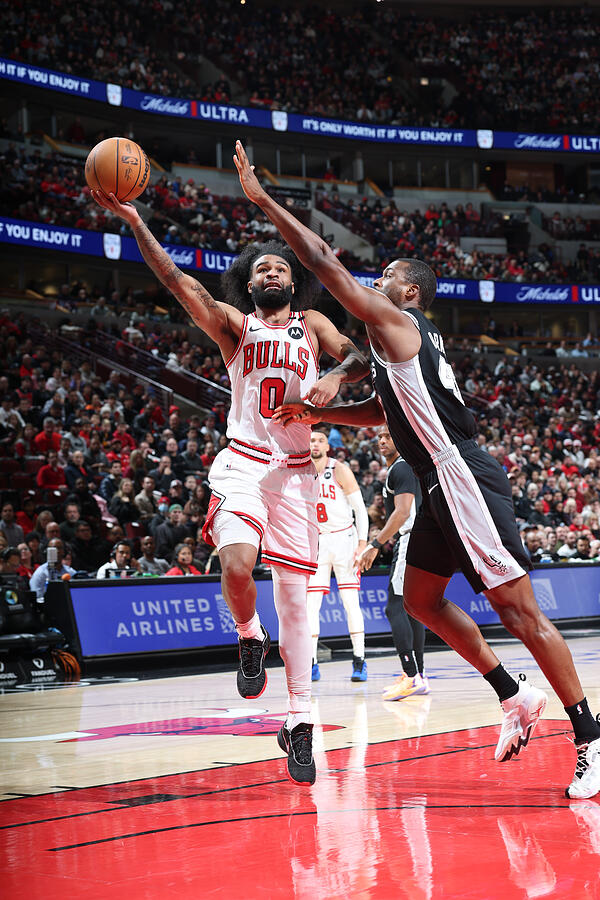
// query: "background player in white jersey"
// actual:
[[402, 497], [468, 518], [340, 543], [264, 484]]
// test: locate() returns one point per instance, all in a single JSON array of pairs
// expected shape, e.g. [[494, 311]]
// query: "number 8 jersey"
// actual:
[[271, 365]]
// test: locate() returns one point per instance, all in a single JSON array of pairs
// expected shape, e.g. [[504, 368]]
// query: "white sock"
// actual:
[[250, 629], [295, 642], [356, 622], [294, 719]]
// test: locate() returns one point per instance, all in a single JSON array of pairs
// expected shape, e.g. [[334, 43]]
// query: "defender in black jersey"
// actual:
[[467, 516], [402, 497]]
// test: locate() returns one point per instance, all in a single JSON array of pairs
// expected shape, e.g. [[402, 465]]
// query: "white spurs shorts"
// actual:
[[278, 502], [336, 551]]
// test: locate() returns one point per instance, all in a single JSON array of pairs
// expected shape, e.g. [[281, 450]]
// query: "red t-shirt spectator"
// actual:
[[46, 441], [176, 570], [49, 478]]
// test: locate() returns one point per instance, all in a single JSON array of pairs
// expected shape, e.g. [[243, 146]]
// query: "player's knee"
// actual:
[[236, 573]]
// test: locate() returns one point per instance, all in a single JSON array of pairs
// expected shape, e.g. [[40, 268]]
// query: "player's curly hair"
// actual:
[[235, 280]]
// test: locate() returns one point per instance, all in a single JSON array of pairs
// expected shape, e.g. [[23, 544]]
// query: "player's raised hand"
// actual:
[[296, 412], [125, 211], [248, 180]]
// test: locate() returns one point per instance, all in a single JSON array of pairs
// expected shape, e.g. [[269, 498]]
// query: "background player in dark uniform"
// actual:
[[402, 497], [467, 518]]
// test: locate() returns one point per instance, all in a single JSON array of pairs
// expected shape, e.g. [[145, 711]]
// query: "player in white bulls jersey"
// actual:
[[340, 543], [264, 484]]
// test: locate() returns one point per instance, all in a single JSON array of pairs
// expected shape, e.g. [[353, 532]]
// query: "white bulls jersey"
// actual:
[[271, 365], [334, 513]]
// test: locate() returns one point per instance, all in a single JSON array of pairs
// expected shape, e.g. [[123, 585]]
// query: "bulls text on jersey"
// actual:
[[276, 355]]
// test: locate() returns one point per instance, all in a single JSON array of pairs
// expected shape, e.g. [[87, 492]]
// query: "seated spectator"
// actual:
[[25, 517], [13, 532], [120, 558], [90, 510], [148, 562], [163, 475], [33, 541], [146, 501], [77, 469], [110, 482], [171, 532], [582, 548], [95, 458], [26, 564], [569, 548], [74, 438], [44, 573], [191, 460], [10, 561], [88, 552], [182, 562], [47, 439], [51, 477], [137, 468], [68, 527], [376, 511], [122, 504]]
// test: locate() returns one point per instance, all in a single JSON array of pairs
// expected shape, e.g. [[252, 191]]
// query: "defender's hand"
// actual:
[[248, 180], [125, 211], [367, 558], [296, 412]]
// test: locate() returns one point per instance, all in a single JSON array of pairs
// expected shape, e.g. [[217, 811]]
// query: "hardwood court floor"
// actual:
[[175, 788]]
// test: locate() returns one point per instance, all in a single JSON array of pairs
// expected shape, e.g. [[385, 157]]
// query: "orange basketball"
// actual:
[[118, 166]]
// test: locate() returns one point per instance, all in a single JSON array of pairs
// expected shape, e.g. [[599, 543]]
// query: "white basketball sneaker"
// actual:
[[521, 714], [586, 780]]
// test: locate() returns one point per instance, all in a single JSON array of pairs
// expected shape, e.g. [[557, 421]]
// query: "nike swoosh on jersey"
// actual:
[[433, 488], [254, 329]]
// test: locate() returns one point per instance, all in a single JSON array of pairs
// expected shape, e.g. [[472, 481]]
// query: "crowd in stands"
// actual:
[[513, 70], [51, 188], [117, 484]]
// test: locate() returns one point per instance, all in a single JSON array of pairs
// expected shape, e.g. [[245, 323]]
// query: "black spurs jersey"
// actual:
[[423, 406]]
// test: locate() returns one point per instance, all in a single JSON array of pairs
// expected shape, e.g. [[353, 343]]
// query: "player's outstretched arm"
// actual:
[[364, 303], [209, 315], [367, 412]]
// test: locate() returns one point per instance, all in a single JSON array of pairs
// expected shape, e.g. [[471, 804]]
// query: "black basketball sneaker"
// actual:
[[297, 743], [251, 676]]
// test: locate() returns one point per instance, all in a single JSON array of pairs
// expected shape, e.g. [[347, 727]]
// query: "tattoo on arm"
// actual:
[[354, 366], [169, 274]]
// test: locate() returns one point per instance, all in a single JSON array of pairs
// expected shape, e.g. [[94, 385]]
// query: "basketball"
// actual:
[[119, 166]]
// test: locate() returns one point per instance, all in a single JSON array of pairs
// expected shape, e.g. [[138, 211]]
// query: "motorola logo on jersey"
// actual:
[[275, 355], [295, 332]]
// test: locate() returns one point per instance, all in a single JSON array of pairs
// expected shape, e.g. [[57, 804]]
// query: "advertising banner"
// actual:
[[146, 615], [116, 246], [296, 123]]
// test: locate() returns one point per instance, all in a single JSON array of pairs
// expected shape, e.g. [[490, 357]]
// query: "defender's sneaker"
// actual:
[[521, 714], [316, 673], [359, 669], [586, 780], [405, 686], [251, 676], [297, 743]]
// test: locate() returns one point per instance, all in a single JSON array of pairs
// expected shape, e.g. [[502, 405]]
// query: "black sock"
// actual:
[[503, 683], [585, 726], [420, 661], [409, 663]]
